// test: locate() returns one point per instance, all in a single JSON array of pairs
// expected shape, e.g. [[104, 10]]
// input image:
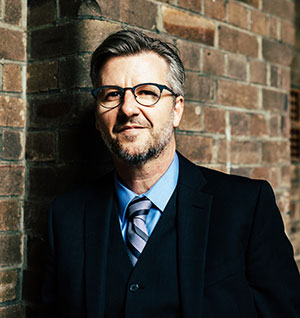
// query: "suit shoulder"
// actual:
[[230, 182]]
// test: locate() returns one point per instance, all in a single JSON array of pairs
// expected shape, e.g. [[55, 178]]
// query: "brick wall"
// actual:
[[295, 167], [237, 56], [12, 163]]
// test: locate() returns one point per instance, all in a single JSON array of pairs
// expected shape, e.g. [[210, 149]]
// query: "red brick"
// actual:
[[215, 9], [42, 12], [287, 32], [274, 174], [213, 62], [133, 12], [275, 152], [275, 123], [42, 76], [74, 72], [253, 3], [12, 111], [244, 152], [257, 72], [194, 5], [285, 79], [258, 125], [60, 110], [12, 311], [10, 249], [277, 53], [283, 202], [69, 38], [238, 15], [285, 179], [12, 81], [12, 145], [241, 171], [259, 22], [281, 8], [40, 146], [237, 67], [295, 77], [188, 26], [191, 119], [235, 94], [198, 87], [239, 123], [8, 282], [286, 126], [273, 28], [9, 215], [274, 76], [12, 180], [13, 12], [214, 120], [12, 45], [190, 55], [35, 217], [274, 100], [260, 173], [195, 148], [223, 151], [238, 42]]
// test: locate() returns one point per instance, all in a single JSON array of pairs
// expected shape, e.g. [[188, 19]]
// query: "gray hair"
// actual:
[[130, 42]]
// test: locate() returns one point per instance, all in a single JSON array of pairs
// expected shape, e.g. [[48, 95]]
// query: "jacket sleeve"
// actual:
[[270, 267]]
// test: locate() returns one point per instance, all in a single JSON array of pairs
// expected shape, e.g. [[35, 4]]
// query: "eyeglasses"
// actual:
[[146, 94]]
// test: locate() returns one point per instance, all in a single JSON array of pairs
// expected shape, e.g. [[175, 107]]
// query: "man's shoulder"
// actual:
[[221, 182]]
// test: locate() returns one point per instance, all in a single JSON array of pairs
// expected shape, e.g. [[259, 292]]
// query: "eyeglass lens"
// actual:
[[146, 95]]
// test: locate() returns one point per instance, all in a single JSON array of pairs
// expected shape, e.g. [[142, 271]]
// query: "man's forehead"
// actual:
[[144, 64]]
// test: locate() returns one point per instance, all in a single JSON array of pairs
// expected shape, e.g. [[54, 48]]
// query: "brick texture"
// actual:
[[238, 14], [277, 53], [188, 26], [215, 9], [238, 42], [12, 45], [235, 94]]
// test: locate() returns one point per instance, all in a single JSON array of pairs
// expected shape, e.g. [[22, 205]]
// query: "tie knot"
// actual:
[[139, 207]]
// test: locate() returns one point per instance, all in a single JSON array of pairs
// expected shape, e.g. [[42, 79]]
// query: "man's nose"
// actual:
[[130, 106]]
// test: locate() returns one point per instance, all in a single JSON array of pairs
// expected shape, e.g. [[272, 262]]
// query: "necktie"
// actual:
[[137, 234]]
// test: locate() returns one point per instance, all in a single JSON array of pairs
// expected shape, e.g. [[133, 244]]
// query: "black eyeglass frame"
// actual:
[[123, 90]]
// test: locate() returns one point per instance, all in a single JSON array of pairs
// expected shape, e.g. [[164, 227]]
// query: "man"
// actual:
[[159, 236]]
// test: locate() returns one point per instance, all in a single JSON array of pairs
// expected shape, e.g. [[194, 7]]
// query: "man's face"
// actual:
[[136, 133]]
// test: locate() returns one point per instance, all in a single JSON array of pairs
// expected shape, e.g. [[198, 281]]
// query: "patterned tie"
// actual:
[[137, 234]]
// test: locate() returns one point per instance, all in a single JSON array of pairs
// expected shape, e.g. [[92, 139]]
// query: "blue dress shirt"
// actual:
[[159, 194]]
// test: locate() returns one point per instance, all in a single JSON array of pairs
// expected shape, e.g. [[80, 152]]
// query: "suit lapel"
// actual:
[[97, 221], [193, 223]]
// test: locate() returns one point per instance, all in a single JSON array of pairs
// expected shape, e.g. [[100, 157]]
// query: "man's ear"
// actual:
[[178, 110]]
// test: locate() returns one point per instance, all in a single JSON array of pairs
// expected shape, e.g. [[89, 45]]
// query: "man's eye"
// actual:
[[146, 93], [112, 95]]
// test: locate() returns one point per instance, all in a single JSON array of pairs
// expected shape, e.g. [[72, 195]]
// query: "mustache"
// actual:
[[123, 121]]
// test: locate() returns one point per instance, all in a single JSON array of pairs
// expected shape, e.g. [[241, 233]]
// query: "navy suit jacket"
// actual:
[[234, 259]]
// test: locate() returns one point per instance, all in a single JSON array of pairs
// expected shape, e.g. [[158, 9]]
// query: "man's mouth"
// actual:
[[119, 129]]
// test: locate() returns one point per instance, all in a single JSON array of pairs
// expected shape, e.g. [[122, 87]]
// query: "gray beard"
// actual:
[[138, 159]]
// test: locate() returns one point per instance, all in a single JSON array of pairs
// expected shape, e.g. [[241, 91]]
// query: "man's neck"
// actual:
[[140, 178]]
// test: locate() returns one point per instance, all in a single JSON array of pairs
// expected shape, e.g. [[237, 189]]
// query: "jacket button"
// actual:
[[134, 287]]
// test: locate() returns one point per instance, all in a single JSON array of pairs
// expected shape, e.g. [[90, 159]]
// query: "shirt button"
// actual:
[[134, 287]]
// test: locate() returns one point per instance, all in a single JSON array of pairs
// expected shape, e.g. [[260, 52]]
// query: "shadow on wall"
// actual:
[[63, 147]]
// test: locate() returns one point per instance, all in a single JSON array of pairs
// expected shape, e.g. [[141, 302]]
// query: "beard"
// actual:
[[139, 154]]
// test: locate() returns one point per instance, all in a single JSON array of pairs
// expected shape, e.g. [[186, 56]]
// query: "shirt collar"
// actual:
[[159, 194]]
